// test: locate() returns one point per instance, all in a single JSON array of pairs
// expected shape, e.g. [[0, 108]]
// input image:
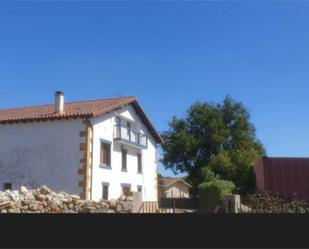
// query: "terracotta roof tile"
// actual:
[[90, 108], [81, 109]]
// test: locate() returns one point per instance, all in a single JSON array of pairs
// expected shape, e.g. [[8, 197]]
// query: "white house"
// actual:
[[97, 149]]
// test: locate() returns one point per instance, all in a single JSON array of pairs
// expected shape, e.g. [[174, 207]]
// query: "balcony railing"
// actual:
[[127, 135]]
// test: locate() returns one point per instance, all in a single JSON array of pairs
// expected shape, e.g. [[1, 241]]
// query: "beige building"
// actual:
[[171, 187]]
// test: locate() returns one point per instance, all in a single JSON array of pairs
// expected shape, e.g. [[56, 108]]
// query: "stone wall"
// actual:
[[44, 200]]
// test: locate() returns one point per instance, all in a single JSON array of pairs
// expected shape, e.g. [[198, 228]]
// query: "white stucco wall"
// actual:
[[48, 153], [103, 129], [37, 153]]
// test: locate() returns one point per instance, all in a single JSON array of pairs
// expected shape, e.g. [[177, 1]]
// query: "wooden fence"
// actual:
[[149, 207], [169, 205], [178, 203]]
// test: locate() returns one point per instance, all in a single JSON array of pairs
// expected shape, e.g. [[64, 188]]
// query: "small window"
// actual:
[[118, 127], [139, 188], [126, 189], [139, 163], [124, 153], [129, 130], [105, 192], [105, 154], [128, 124], [7, 186], [118, 121]]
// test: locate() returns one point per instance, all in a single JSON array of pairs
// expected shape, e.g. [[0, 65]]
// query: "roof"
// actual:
[[168, 181], [278, 161], [81, 109]]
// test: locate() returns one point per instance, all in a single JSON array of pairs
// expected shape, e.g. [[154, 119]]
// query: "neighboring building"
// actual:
[[286, 176], [171, 187], [97, 148]]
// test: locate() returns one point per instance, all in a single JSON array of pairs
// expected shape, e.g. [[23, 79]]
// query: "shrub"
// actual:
[[212, 194], [272, 203]]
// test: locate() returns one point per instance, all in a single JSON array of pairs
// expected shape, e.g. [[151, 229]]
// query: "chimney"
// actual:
[[59, 102]]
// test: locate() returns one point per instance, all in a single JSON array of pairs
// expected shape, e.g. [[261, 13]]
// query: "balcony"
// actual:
[[130, 137]]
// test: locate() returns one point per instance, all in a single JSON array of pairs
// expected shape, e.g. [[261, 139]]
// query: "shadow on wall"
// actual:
[[12, 171]]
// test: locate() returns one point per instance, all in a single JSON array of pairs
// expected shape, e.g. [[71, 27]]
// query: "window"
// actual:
[[139, 188], [126, 189], [139, 163], [118, 121], [7, 186], [129, 130], [105, 154], [128, 124], [105, 192], [124, 153], [118, 127]]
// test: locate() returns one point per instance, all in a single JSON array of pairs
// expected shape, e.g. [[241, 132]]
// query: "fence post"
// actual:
[[232, 204]]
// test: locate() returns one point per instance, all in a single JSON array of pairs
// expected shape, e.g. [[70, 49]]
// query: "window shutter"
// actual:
[[105, 192], [105, 154], [108, 154]]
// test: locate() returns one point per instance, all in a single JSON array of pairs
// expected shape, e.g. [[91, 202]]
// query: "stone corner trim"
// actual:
[[86, 161]]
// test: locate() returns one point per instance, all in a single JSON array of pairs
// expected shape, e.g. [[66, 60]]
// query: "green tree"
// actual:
[[213, 141], [212, 194]]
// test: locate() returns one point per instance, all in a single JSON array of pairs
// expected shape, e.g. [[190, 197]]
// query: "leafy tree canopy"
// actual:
[[213, 141]]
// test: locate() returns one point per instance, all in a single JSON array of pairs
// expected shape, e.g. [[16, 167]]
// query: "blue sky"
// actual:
[[168, 54]]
